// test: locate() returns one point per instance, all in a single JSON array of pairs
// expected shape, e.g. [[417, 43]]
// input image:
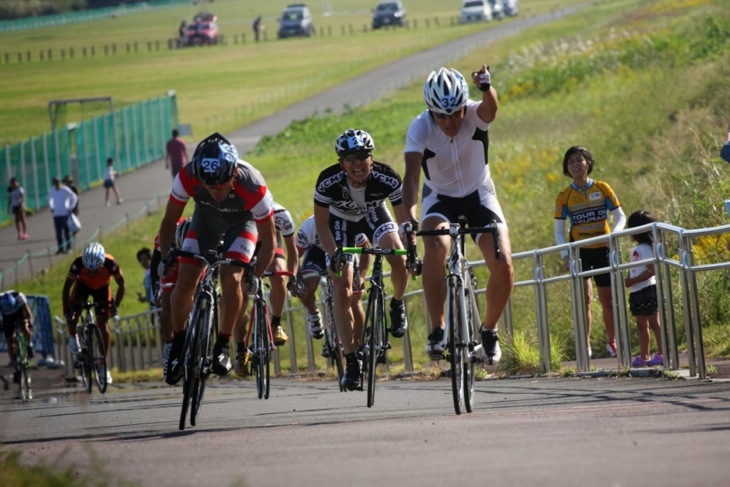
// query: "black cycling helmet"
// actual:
[[214, 160], [354, 140]]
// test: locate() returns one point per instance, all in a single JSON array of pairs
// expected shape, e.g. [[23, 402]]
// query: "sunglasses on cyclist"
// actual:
[[356, 156]]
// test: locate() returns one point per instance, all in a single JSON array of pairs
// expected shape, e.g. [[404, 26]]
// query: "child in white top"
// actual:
[[643, 297], [109, 176]]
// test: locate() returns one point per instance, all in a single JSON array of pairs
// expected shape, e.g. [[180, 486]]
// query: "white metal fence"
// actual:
[[136, 343]]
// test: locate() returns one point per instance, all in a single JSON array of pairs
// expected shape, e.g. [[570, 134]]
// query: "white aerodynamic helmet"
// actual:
[[93, 256], [445, 91]]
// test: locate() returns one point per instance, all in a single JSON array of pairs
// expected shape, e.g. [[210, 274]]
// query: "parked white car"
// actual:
[[497, 8], [476, 11], [511, 7]]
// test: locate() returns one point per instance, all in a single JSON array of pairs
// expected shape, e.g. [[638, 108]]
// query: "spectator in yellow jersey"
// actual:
[[587, 204]]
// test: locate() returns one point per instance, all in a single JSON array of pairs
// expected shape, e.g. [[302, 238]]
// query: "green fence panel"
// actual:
[[86, 15], [134, 136]]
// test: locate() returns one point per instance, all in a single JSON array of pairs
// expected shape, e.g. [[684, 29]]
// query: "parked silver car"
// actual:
[[476, 11]]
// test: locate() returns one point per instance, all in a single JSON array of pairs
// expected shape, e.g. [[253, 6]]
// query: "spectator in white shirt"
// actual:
[[62, 201]]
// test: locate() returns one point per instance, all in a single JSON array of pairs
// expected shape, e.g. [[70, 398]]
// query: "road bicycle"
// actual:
[[332, 349], [201, 332], [262, 344], [462, 313], [374, 343], [21, 374], [92, 355]]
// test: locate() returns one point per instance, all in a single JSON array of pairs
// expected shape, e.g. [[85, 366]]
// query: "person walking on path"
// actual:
[[61, 201], [68, 181], [587, 203], [109, 184], [16, 205], [176, 153]]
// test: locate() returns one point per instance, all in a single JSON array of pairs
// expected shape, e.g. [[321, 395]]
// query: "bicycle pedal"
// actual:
[[381, 359], [436, 356]]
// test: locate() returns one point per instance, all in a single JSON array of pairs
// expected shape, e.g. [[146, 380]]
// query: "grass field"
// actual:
[[219, 87]]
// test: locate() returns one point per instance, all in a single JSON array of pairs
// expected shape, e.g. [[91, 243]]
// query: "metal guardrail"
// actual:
[[37, 261], [136, 344]]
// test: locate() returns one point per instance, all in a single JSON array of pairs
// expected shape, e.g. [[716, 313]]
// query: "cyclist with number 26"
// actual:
[[349, 199], [232, 204], [449, 142], [90, 275]]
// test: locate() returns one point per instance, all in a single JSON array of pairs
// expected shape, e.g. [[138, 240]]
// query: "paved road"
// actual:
[[559, 431], [146, 188]]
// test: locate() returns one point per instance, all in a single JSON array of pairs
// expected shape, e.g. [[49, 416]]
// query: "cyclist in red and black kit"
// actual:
[[286, 259], [232, 204], [90, 275], [349, 199], [162, 287]]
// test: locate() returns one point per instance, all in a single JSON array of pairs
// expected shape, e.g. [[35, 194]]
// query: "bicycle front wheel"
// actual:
[[203, 362], [85, 357], [454, 319], [189, 354], [97, 354], [22, 365], [261, 351], [473, 322], [373, 322], [333, 343]]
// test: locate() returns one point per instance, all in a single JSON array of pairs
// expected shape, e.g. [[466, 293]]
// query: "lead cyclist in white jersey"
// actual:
[[449, 143]]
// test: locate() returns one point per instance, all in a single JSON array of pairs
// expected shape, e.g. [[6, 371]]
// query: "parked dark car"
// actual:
[[295, 20], [389, 13]]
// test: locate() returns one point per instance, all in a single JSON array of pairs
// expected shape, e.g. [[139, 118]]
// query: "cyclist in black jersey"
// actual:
[[349, 199]]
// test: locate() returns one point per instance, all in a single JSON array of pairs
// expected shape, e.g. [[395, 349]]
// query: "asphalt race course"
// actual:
[[547, 431]]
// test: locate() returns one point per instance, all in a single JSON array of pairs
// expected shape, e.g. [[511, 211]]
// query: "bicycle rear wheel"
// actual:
[[373, 322], [456, 343], [202, 365], [189, 357], [98, 358]]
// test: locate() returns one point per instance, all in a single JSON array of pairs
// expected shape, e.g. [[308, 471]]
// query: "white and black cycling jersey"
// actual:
[[307, 234], [283, 222], [334, 192], [452, 166]]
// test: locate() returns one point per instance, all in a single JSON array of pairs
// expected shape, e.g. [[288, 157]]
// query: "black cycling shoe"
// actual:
[[351, 379], [221, 359], [490, 342], [174, 365], [436, 344], [398, 321]]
